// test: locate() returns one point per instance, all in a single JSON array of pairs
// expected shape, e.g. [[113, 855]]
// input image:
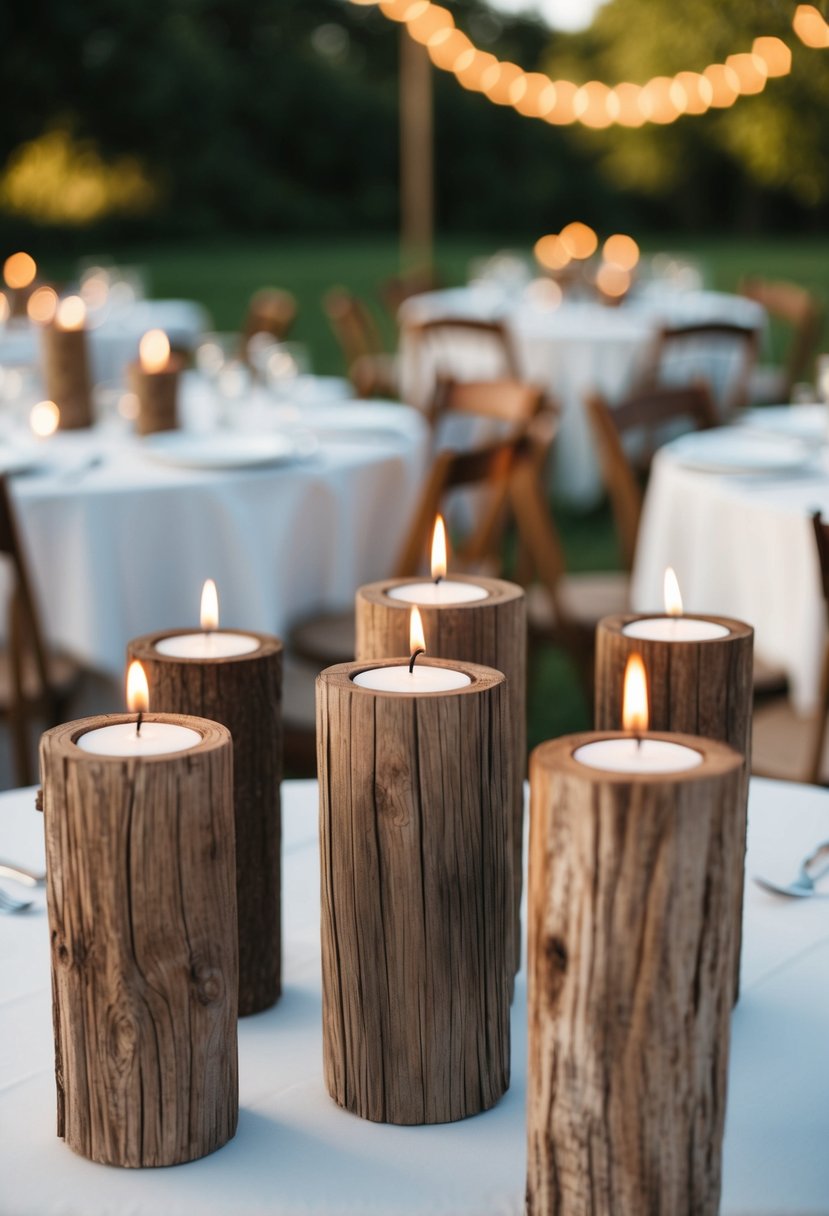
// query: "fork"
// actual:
[[808, 874], [9, 904]]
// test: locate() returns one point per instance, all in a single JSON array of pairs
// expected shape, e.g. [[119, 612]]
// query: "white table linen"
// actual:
[[742, 545], [571, 350], [297, 1154], [123, 548]]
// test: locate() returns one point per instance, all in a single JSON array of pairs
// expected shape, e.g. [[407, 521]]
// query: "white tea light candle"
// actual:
[[210, 643]]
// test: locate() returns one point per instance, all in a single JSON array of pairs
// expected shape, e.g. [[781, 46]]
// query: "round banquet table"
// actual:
[[297, 1154], [120, 543], [741, 540], [573, 349]]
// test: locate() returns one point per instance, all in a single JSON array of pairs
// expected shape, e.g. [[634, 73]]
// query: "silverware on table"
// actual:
[[17, 873], [812, 868], [9, 904]]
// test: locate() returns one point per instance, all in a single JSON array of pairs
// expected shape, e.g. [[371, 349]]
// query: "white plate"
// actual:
[[220, 449], [809, 423], [734, 449]]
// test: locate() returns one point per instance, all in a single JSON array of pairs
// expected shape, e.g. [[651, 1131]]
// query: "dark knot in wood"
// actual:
[[208, 981], [555, 957]]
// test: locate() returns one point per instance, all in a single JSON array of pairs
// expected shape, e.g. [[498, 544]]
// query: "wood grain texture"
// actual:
[[142, 918], [244, 693], [66, 375], [157, 394], [415, 876], [630, 952], [491, 632], [700, 688]]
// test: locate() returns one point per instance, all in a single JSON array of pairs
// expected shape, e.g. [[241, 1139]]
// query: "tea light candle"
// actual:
[[674, 627], [416, 891], [236, 679], [487, 624], [66, 364], [412, 678]]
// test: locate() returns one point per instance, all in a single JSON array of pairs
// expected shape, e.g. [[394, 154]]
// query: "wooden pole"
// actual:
[[142, 918], [66, 375], [157, 394], [415, 870], [416, 153], [701, 688], [632, 880], [244, 693], [492, 632]]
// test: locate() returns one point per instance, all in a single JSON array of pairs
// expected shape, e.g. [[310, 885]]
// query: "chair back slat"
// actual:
[[721, 354]]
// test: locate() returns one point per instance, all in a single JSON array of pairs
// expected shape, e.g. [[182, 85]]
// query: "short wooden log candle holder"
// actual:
[[632, 881], [142, 916], [492, 632], [244, 693], [66, 375], [157, 393], [415, 872], [697, 687]]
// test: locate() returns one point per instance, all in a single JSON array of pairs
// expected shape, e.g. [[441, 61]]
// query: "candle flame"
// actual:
[[673, 599], [439, 549], [154, 350], [44, 419], [71, 313], [19, 270], [209, 606], [635, 696], [417, 638], [138, 693]]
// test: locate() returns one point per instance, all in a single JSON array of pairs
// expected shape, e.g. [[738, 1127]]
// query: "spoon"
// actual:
[[810, 871]]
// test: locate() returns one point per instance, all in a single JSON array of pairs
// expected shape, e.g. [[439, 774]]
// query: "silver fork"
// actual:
[[9, 904], [813, 867]]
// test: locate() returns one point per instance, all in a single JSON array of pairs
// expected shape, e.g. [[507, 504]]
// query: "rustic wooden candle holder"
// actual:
[[415, 872], [142, 916], [492, 632], [66, 375], [700, 688], [632, 881], [244, 693], [157, 394]]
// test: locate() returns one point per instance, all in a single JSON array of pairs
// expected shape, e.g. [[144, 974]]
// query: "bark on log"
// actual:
[[244, 693], [157, 394], [700, 688], [66, 375], [631, 882], [491, 632], [415, 874], [142, 917]]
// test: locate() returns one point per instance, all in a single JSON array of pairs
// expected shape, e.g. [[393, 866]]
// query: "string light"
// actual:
[[661, 100]]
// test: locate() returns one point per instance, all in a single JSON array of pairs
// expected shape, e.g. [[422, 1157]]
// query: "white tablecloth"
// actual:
[[297, 1154], [742, 545], [571, 350], [123, 548], [114, 336]]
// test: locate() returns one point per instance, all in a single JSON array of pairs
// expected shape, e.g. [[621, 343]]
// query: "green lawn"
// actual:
[[223, 274]]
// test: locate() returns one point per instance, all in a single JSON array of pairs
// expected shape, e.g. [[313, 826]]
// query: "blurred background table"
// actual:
[[296, 1152]]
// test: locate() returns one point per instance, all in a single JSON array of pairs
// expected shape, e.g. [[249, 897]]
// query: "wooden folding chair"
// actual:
[[370, 368], [35, 685], [721, 355], [270, 311], [647, 413], [802, 313], [457, 348]]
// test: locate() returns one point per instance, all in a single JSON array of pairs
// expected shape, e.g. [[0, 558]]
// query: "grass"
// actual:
[[222, 275]]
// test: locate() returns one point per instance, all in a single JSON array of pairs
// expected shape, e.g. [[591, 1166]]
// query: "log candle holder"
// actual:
[[66, 364], [415, 870], [491, 631], [701, 687], [243, 691], [632, 882], [142, 916], [154, 378]]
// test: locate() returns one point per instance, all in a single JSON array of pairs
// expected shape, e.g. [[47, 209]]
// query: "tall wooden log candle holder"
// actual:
[[415, 872], [66, 364], [700, 679], [632, 882], [236, 679], [473, 620], [154, 379], [142, 917]]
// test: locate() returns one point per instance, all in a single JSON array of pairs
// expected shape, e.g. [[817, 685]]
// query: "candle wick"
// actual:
[[415, 653], [138, 722], [638, 739], [438, 577]]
